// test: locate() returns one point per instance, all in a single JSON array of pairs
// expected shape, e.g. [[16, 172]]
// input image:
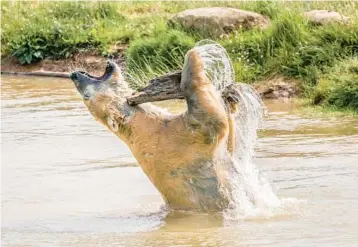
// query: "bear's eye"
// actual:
[[86, 96]]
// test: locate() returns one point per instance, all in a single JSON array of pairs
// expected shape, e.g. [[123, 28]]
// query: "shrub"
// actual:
[[339, 88], [33, 46], [345, 95], [55, 29]]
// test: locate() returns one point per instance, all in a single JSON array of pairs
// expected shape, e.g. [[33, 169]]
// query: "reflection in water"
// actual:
[[67, 181]]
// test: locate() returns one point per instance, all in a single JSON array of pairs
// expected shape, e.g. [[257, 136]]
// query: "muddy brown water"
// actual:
[[67, 181]]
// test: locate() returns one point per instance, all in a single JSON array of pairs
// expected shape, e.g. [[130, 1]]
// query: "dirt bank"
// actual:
[[88, 61]]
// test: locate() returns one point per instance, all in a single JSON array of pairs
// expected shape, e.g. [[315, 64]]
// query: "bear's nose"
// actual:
[[73, 76]]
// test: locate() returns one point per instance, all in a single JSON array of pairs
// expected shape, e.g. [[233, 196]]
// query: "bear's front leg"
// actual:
[[206, 109]]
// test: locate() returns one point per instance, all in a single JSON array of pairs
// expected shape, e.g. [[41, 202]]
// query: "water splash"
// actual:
[[217, 63], [250, 192]]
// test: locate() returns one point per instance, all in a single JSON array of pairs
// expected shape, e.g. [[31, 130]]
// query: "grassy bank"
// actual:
[[322, 58]]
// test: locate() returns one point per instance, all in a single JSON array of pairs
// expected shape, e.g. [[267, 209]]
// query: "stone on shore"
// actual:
[[323, 17], [218, 21]]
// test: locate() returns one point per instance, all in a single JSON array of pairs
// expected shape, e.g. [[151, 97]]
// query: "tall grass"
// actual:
[[339, 87]]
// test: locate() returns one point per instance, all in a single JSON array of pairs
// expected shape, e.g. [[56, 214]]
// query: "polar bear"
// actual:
[[180, 153]]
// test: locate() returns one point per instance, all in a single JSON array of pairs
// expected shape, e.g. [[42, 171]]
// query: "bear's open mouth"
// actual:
[[82, 75]]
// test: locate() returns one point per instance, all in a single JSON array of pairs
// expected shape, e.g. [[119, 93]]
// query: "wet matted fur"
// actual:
[[180, 153]]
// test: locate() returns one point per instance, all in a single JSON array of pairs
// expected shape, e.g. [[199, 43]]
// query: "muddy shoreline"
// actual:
[[89, 61]]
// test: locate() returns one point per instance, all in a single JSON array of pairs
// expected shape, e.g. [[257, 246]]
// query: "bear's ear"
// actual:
[[112, 124], [193, 71], [114, 73]]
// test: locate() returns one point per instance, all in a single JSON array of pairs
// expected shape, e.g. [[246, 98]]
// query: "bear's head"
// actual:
[[105, 96]]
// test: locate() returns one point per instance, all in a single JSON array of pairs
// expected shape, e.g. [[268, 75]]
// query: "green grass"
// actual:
[[150, 57], [338, 89], [321, 58]]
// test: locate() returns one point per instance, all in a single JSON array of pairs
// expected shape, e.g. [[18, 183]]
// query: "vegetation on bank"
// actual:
[[323, 58]]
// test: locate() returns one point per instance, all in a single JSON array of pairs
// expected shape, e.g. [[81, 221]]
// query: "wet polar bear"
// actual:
[[179, 153]]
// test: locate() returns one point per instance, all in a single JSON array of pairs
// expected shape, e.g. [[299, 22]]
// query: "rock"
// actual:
[[322, 17], [218, 21], [277, 88]]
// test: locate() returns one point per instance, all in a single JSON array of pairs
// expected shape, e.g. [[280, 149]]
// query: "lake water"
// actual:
[[67, 181]]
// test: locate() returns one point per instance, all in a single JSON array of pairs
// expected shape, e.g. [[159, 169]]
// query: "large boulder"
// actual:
[[217, 21], [322, 17]]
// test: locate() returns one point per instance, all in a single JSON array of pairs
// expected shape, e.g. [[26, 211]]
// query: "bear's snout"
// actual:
[[73, 76]]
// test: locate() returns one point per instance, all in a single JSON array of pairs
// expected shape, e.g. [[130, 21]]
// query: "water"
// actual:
[[67, 181]]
